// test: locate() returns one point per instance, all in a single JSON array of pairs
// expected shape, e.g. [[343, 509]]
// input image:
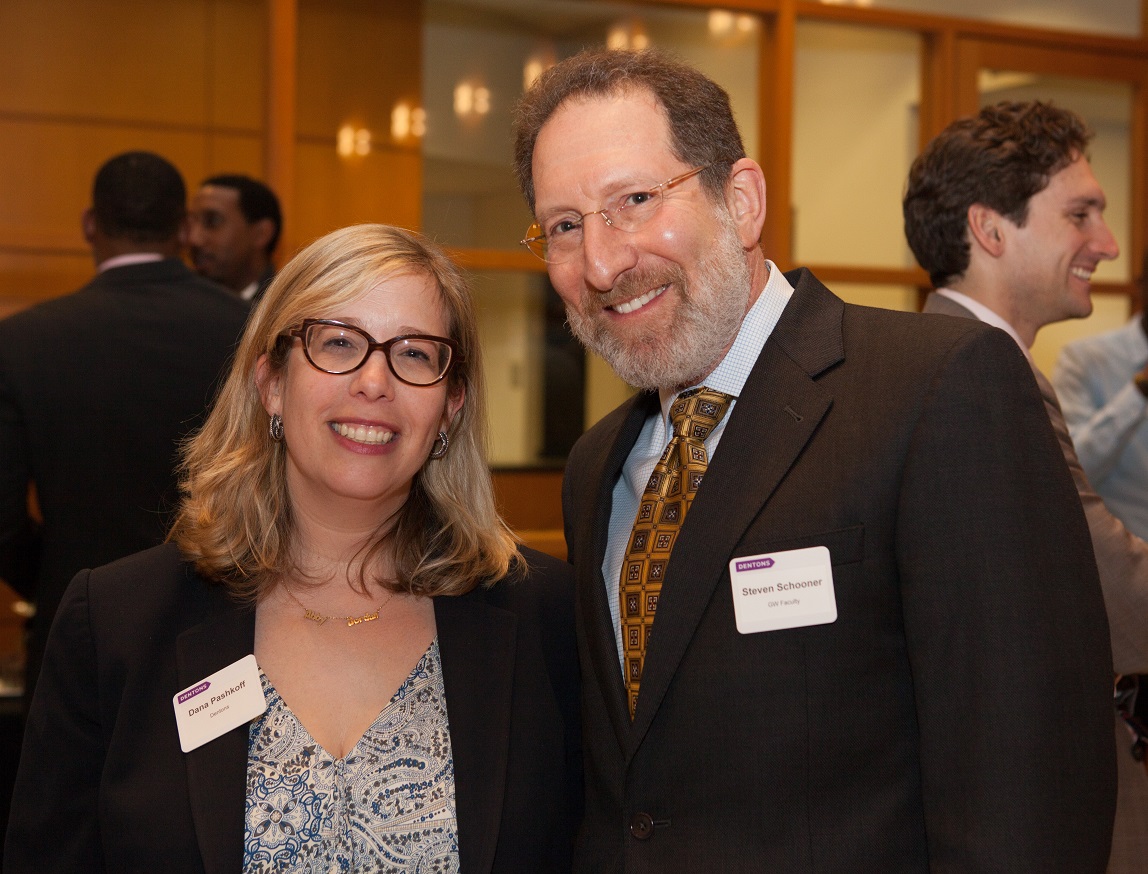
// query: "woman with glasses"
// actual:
[[340, 661]]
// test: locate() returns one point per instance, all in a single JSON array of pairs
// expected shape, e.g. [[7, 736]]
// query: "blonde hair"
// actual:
[[235, 521]]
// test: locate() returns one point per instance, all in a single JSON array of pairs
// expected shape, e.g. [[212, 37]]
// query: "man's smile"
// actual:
[[628, 306]]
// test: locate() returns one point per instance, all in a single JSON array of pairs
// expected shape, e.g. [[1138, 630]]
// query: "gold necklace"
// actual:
[[351, 621]]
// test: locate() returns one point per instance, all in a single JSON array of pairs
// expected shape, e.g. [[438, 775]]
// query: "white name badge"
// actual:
[[219, 703], [789, 589]]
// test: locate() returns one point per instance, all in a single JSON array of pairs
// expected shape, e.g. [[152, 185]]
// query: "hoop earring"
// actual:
[[275, 429], [440, 451]]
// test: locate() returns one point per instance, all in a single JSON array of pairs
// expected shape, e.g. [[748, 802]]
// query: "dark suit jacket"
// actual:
[[957, 715], [96, 390], [1122, 560], [265, 280], [103, 784]]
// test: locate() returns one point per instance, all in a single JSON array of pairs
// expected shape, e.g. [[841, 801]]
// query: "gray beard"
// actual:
[[705, 325]]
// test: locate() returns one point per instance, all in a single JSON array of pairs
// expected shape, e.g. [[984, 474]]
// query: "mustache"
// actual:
[[636, 282]]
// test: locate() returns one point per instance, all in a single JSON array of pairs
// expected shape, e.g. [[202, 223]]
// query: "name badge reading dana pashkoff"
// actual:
[[790, 589], [216, 704]]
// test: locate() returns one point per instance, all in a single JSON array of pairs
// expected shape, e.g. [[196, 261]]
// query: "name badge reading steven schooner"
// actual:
[[219, 703], [789, 589]]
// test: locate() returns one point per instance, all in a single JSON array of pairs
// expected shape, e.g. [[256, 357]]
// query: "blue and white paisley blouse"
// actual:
[[388, 805]]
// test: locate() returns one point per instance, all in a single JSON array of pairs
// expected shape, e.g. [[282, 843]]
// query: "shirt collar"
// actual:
[[732, 372], [130, 258], [984, 314]]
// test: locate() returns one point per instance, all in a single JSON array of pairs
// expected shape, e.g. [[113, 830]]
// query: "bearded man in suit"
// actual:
[[1003, 210], [878, 641]]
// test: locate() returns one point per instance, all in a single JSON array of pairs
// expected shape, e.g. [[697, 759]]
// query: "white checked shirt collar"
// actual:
[[732, 372]]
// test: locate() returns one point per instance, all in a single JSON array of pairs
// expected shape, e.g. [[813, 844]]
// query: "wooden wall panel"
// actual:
[[83, 80], [57, 162], [47, 182], [331, 192], [530, 500], [26, 277], [775, 89], [229, 153], [357, 59], [237, 65], [128, 59]]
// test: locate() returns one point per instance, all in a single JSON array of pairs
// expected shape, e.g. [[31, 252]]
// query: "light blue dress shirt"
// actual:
[[1107, 417]]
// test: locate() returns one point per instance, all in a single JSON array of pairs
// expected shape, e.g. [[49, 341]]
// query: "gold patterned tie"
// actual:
[[671, 489]]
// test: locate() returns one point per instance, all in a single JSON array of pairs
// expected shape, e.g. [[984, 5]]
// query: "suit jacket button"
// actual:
[[642, 826]]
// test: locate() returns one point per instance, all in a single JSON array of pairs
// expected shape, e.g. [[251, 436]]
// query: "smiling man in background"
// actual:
[[235, 225], [1003, 210]]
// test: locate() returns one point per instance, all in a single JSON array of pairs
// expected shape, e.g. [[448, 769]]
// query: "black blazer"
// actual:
[[956, 717], [103, 785], [96, 390], [1122, 560]]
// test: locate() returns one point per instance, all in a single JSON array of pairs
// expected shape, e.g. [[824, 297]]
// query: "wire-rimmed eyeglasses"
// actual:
[[337, 348], [560, 237]]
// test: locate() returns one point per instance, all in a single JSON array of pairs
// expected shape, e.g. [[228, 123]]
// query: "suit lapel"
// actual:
[[217, 771], [777, 413], [477, 643], [593, 606]]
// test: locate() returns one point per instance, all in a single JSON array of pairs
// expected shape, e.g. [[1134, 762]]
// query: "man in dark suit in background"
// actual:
[[1003, 211], [98, 387], [878, 642], [235, 225]]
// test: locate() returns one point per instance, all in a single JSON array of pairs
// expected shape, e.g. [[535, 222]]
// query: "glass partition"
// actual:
[[512, 321], [543, 389], [480, 54], [855, 132]]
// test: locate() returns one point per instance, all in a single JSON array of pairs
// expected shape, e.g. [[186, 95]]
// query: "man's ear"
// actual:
[[986, 229], [745, 200], [88, 225], [261, 233]]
